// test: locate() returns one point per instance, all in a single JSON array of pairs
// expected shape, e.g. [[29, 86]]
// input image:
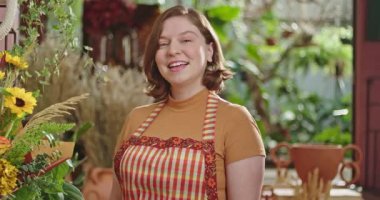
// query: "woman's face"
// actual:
[[182, 53]]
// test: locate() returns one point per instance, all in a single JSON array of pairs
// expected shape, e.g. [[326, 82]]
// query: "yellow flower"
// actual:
[[2, 53], [2, 74], [19, 102], [8, 177], [14, 60], [5, 144]]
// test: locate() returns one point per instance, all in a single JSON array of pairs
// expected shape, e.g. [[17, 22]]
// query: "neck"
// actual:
[[180, 94]]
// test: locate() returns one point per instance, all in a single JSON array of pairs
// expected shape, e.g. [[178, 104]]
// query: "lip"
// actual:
[[177, 61], [177, 69], [176, 66]]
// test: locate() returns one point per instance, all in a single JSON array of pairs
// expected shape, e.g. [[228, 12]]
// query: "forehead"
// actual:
[[178, 25]]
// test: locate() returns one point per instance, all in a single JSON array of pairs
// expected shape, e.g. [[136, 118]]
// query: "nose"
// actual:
[[174, 49]]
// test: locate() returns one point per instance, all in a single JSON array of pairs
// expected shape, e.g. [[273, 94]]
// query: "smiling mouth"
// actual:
[[175, 66]]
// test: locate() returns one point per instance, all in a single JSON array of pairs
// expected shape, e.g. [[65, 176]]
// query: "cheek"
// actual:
[[202, 54], [160, 62], [159, 58]]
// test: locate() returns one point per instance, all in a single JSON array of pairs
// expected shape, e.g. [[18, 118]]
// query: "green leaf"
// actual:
[[250, 66], [333, 135], [32, 137], [82, 130], [253, 53], [70, 164], [219, 30], [61, 171], [26, 192], [224, 12], [72, 192]]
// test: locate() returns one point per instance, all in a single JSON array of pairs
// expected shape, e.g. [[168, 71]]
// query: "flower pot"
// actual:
[[327, 158], [98, 182]]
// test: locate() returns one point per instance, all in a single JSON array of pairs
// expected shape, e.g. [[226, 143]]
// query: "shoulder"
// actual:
[[144, 110], [234, 116], [239, 132], [138, 114], [233, 111], [136, 117]]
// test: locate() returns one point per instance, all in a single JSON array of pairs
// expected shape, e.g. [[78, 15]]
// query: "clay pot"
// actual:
[[98, 183], [327, 158]]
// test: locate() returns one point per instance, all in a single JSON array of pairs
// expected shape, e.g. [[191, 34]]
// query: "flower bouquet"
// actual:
[[34, 162], [32, 159]]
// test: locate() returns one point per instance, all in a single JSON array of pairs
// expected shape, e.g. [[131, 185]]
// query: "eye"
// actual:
[[186, 41], [162, 44]]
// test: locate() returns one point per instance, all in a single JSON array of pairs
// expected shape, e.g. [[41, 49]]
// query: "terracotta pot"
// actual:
[[307, 157], [98, 183]]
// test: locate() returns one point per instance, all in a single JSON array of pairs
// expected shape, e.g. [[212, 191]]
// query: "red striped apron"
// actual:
[[176, 168]]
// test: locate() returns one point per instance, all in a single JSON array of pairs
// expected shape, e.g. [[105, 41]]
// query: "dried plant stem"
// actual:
[[54, 111], [314, 188]]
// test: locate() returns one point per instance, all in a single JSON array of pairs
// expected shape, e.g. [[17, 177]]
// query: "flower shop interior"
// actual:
[[307, 70]]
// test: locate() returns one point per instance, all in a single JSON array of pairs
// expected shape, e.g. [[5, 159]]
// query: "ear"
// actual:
[[210, 51]]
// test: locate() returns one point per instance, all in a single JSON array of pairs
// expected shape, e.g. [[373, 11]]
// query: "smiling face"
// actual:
[[182, 54]]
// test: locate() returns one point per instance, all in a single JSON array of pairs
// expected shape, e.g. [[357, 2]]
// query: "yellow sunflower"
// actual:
[[19, 102], [8, 177], [2, 53], [2, 74], [14, 60]]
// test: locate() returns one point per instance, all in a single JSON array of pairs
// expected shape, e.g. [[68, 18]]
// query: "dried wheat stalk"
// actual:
[[56, 110], [313, 189]]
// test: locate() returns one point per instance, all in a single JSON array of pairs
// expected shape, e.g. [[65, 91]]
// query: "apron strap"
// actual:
[[210, 118], [208, 130], [139, 131]]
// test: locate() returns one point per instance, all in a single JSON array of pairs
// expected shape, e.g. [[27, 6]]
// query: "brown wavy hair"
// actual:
[[215, 74]]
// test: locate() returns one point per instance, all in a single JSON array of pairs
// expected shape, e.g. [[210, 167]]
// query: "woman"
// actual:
[[191, 144]]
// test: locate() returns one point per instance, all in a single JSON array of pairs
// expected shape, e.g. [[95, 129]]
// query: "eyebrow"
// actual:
[[182, 33]]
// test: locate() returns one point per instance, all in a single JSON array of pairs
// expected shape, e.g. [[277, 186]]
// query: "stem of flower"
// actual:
[[2, 105], [9, 129]]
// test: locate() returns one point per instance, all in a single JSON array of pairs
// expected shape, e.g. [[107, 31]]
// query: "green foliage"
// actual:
[[333, 135], [221, 16], [81, 131], [20, 140], [32, 138], [223, 13], [50, 186], [327, 50], [270, 24], [311, 115], [266, 53], [61, 25], [71, 192], [239, 93], [9, 123]]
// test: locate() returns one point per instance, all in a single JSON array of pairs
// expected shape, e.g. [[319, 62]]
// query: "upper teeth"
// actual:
[[175, 64]]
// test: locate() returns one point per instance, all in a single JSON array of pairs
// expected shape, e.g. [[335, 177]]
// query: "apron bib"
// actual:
[[176, 168]]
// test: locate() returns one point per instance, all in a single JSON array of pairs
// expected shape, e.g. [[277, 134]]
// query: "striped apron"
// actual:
[[176, 168]]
